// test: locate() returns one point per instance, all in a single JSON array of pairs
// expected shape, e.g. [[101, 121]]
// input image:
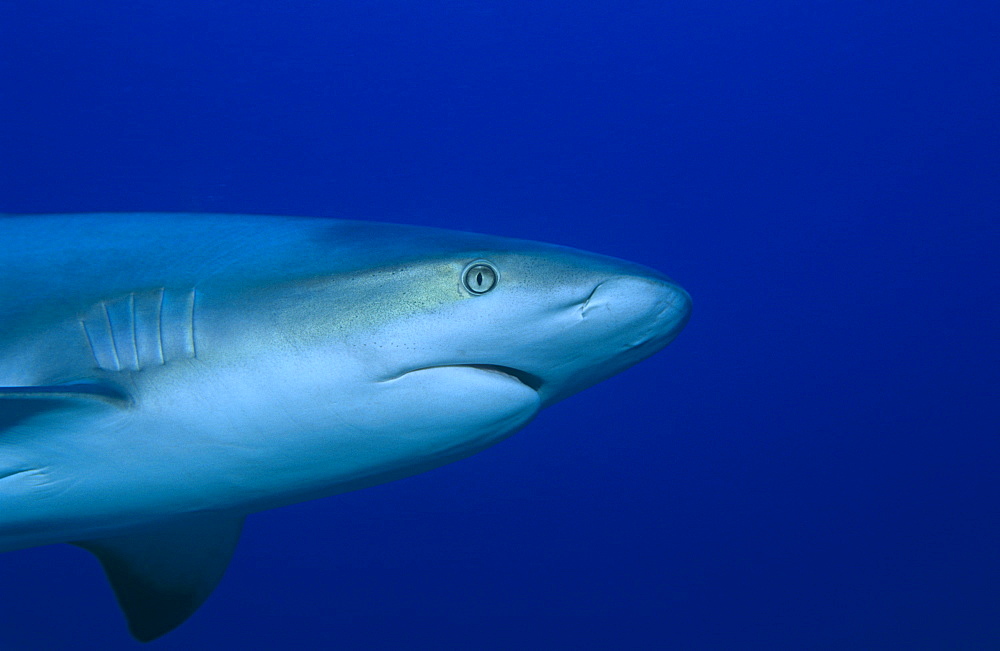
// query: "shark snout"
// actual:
[[623, 320], [675, 309], [641, 308]]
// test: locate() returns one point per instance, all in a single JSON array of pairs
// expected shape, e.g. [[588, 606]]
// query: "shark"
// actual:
[[163, 376]]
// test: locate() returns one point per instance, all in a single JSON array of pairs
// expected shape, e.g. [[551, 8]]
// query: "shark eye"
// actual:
[[480, 277]]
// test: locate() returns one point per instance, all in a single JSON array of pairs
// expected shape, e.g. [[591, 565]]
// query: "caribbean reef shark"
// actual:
[[162, 376]]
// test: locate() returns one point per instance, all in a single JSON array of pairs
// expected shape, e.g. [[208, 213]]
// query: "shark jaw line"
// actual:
[[529, 380]]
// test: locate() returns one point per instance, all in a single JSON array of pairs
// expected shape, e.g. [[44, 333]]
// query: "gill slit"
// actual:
[[111, 333], [194, 350], [159, 324], [135, 342], [90, 341]]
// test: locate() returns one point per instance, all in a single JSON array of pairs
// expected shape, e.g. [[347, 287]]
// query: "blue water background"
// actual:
[[813, 464]]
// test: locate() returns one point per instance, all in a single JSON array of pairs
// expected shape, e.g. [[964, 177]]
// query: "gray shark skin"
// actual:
[[162, 376]]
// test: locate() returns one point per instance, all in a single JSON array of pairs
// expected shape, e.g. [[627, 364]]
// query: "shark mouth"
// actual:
[[533, 382]]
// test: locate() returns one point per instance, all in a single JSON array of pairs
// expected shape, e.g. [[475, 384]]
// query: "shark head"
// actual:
[[437, 356], [554, 320]]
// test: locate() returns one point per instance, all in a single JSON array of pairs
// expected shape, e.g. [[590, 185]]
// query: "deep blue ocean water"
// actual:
[[813, 464]]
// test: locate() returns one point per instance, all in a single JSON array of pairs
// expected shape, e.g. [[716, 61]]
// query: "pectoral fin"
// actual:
[[67, 391], [18, 404], [162, 574]]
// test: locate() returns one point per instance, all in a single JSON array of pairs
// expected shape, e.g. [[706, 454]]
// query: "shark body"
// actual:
[[164, 376]]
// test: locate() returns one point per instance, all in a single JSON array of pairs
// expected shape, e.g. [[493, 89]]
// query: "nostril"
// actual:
[[585, 304]]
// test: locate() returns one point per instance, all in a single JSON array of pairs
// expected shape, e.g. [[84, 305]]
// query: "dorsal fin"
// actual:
[[162, 574]]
